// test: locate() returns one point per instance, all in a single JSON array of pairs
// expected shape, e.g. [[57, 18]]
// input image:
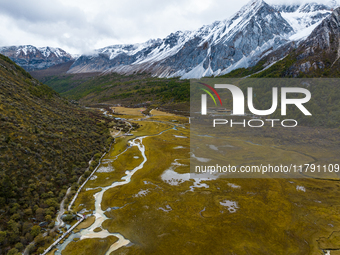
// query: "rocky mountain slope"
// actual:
[[316, 56], [241, 41], [33, 58], [320, 52], [212, 49]]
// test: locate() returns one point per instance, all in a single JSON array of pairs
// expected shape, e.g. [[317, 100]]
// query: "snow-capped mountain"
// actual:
[[33, 58], [319, 53], [240, 41], [254, 32], [304, 18], [211, 50], [102, 59]]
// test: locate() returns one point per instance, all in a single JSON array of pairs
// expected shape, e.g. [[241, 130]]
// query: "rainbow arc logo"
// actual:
[[204, 97], [209, 93], [239, 102]]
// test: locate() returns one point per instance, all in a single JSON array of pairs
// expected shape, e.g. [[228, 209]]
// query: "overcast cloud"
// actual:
[[79, 26]]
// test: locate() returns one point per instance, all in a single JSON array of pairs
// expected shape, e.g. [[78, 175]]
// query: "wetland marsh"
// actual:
[[145, 201]]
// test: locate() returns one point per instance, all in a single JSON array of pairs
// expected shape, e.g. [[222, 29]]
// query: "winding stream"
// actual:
[[60, 222], [100, 214]]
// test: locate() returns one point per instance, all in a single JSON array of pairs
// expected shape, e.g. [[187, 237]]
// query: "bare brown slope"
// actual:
[[52, 71]]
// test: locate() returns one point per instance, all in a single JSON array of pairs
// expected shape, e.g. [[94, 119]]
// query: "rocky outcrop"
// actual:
[[324, 37], [322, 47]]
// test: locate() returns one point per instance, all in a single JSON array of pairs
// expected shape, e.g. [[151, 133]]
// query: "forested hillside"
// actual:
[[115, 88], [45, 146]]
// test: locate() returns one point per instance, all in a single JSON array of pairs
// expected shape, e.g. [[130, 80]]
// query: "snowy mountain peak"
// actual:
[[32, 58], [29, 49], [47, 51], [250, 9], [25, 49], [313, 7], [306, 7], [305, 17], [286, 8], [253, 4]]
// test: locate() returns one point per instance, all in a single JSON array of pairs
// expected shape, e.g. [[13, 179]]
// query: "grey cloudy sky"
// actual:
[[81, 25]]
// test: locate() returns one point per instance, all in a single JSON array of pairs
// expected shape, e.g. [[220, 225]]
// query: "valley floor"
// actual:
[[145, 201]]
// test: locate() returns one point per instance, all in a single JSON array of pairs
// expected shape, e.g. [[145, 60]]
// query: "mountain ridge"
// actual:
[[206, 47], [34, 58], [241, 41], [317, 56]]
